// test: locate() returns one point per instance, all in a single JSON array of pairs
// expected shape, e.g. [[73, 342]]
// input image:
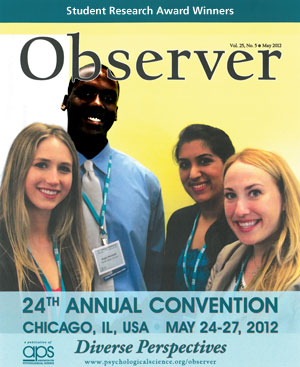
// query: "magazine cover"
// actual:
[[230, 65]]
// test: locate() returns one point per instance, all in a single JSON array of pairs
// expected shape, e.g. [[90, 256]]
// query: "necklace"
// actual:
[[241, 283], [257, 267]]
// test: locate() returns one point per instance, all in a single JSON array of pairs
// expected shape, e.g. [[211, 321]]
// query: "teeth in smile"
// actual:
[[49, 192], [94, 119], [247, 224], [198, 186]]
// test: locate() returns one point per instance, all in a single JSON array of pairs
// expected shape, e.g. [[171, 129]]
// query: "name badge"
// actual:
[[109, 259]]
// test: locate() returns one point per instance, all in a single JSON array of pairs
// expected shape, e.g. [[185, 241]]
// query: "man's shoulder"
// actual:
[[130, 166], [126, 159]]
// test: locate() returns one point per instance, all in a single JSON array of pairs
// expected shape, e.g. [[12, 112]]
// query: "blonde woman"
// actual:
[[262, 206], [42, 239]]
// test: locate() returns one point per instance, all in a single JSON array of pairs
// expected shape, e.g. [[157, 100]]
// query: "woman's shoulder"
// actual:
[[184, 214], [232, 252], [228, 260], [6, 255], [179, 227], [8, 273], [233, 249]]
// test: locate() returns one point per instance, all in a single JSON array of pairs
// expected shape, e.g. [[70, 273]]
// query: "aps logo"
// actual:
[[42, 354]]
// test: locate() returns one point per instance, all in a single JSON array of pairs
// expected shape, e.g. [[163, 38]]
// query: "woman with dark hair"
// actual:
[[197, 233], [42, 234]]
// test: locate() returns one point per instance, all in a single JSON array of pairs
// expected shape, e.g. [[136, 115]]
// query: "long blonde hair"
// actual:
[[281, 265], [66, 222]]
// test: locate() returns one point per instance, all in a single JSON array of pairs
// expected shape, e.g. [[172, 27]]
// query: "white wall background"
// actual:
[[24, 100]]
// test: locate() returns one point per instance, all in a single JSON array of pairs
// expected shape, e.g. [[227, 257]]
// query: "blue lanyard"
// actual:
[[198, 260], [42, 275], [241, 273], [100, 220]]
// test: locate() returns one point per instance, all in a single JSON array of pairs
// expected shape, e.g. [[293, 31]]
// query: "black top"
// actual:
[[179, 228], [8, 274]]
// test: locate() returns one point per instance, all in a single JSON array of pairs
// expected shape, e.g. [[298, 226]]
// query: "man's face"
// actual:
[[92, 105]]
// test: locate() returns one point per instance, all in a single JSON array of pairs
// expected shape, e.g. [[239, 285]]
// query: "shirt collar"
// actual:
[[100, 160]]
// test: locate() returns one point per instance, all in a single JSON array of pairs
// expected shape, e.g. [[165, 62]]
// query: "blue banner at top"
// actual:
[[118, 11]]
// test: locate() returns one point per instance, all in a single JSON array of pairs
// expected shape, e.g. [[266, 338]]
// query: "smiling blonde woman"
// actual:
[[262, 206], [42, 236]]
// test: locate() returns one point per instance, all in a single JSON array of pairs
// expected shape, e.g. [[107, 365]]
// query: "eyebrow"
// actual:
[[48, 160], [246, 188], [87, 85], [251, 186], [199, 156]]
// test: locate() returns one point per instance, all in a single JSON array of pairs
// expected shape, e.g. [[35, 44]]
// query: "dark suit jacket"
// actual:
[[179, 228], [8, 274]]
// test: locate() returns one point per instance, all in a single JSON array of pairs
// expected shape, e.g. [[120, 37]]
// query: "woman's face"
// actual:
[[200, 171], [49, 179], [253, 203]]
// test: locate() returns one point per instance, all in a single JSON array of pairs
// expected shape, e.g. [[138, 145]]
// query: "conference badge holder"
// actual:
[[109, 259]]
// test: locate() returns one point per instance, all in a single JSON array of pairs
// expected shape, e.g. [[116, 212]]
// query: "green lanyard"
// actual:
[[42, 275], [100, 220], [241, 273], [198, 261]]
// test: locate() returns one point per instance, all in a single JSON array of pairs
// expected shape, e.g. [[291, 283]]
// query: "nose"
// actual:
[[195, 172], [96, 101], [241, 208], [52, 177]]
